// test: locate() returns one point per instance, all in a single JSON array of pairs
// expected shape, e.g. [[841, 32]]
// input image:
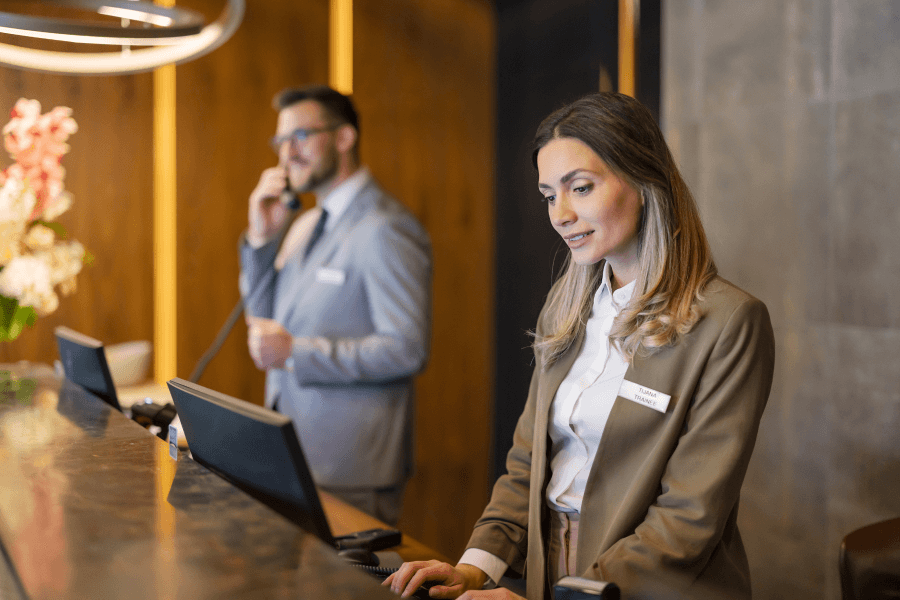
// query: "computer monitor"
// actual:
[[258, 451], [254, 448], [84, 362]]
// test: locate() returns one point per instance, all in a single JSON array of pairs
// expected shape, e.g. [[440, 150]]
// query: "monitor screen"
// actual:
[[254, 448], [84, 362]]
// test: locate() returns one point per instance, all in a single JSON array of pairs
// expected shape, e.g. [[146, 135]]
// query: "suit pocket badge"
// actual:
[[331, 276]]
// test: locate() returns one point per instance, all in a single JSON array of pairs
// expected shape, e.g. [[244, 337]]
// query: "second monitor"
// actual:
[[84, 362], [257, 450]]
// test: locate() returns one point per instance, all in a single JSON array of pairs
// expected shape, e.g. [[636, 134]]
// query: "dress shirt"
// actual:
[[584, 400], [578, 414]]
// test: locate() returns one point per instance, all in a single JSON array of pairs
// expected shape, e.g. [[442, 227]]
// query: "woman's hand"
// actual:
[[450, 581]]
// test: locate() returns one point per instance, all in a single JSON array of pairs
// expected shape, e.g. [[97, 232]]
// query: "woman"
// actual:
[[651, 377]]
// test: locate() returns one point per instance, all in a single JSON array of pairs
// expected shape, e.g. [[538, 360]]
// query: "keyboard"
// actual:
[[382, 573]]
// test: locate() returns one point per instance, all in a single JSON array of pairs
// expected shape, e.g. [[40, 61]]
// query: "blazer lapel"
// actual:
[[629, 425], [550, 382]]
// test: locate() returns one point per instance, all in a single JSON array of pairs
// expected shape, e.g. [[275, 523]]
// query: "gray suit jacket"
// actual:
[[659, 514], [359, 308]]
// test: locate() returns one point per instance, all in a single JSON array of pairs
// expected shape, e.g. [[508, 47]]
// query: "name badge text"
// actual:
[[644, 395]]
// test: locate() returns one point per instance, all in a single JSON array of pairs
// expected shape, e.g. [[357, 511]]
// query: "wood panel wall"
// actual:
[[424, 85], [109, 173], [224, 121]]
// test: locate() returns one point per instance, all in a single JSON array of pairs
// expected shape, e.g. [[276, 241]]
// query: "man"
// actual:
[[340, 316]]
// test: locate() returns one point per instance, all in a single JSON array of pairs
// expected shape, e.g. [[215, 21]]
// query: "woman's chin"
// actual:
[[583, 258]]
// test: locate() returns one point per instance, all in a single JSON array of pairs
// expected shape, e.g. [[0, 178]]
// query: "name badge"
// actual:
[[644, 395], [331, 276]]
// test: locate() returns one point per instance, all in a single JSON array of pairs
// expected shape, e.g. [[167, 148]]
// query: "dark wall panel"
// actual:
[[549, 53]]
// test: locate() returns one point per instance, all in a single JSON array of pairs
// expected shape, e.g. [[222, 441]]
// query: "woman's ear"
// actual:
[[346, 137]]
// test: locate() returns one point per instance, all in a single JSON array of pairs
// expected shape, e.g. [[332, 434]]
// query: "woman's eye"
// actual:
[[549, 199], [583, 189]]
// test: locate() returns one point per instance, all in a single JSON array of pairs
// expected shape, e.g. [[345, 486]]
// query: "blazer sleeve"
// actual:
[[701, 481], [502, 529], [257, 279], [395, 261]]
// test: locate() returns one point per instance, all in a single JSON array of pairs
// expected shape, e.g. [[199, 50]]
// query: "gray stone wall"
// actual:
[[785, 118]]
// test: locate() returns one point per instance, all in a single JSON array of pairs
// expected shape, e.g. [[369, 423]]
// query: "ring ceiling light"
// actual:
[[175, 35]]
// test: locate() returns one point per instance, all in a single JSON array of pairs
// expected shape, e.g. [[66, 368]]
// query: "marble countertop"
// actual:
[[92, 506]]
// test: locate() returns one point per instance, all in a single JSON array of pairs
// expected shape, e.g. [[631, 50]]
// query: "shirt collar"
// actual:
[[620, 297], [337, 201]]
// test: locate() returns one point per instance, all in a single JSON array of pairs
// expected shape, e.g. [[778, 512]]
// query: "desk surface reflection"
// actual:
[[92, 506]]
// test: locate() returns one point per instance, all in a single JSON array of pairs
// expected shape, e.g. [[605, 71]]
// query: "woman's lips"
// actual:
[[576, 240]]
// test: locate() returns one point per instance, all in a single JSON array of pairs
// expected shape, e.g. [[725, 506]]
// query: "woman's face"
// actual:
[[594, 210]]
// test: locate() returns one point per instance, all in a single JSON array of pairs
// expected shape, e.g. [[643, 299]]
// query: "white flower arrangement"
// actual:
[[36, 261]]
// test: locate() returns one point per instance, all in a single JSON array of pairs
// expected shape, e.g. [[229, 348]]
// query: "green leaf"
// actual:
[[57, 228], [7, 311], [14, 318]]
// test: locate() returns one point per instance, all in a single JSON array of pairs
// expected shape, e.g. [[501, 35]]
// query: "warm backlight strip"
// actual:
[[340, 57], [628, 19], [164, 239]]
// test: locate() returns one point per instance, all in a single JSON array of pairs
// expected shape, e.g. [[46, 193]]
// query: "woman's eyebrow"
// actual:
[[570, 175], [565, 178]]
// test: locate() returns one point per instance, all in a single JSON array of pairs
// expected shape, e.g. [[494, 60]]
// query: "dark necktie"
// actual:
[[317, 233]]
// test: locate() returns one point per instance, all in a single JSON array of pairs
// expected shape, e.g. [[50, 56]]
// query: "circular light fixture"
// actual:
[[177, 35]]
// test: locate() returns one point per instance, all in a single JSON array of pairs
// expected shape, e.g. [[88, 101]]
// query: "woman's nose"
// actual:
[[561, 213]]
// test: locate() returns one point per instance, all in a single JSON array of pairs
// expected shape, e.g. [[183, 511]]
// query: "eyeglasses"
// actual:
[[298, 135]]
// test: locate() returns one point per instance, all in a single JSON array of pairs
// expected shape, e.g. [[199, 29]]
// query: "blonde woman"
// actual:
[[652, 373]]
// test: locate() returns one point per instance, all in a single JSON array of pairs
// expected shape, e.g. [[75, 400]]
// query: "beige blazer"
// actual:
[[659, 515]]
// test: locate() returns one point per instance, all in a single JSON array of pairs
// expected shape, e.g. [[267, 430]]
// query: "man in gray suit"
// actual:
[[339, 317]]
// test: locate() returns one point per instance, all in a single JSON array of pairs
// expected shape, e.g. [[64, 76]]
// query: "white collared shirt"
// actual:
[[336, 203], [338, 199], [578, 414], [584, 400]]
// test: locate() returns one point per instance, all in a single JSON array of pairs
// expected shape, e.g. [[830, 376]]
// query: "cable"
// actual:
[[226, 328]]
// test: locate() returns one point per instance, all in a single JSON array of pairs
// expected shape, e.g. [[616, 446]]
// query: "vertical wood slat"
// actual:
[[424, 86]]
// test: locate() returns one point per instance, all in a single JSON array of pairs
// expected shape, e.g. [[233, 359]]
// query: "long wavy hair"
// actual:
[[675, 260]]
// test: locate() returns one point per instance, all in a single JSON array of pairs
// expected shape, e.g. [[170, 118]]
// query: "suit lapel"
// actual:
[[331, 241], [324, 250]]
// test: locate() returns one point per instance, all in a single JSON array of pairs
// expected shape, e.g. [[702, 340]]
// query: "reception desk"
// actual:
[[92, 506]]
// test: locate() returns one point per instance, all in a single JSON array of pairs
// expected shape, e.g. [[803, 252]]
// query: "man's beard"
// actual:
[[326, 172]]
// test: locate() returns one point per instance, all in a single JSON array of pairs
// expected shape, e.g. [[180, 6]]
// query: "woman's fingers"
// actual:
[[428, 571], [407, 579], [398, 579]]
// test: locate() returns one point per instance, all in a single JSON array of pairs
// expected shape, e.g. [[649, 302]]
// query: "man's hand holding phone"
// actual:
[[267, 213]]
